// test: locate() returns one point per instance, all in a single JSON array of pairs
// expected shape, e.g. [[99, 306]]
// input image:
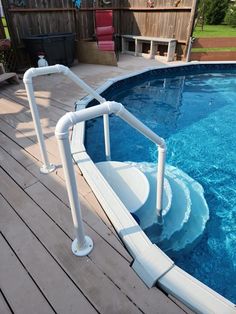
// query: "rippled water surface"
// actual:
[[197, 117]]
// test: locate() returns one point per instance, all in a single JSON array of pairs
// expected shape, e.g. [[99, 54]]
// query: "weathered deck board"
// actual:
[[25, 127], [46, 105], [19, 138], [62, 293], [22, 177], [23, 157], [27, 145], [4, 308], [20, 117], [17, 285]]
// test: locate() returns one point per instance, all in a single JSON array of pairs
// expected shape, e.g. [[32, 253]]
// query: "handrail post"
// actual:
[[33, 72], [107, 136], [160, 182], [82, 244], [47, 167]]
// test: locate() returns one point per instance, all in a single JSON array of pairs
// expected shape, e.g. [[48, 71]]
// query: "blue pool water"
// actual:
[[196, 114]]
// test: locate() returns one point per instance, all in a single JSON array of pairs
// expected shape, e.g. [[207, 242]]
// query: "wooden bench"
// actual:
[[10, 77], [152, 41]]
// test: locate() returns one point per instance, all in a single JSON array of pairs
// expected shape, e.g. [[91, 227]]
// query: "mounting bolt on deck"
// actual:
[[45, 169], [85, 249]]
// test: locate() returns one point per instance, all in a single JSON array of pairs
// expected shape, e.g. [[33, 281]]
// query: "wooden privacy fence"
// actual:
[[214, 49], [167, 18]]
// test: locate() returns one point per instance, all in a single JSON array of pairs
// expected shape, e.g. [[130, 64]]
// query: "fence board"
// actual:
[[170, 18]]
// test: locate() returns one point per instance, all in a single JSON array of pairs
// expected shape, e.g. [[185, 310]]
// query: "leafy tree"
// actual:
[[215, 11], [201, 13], [230, 17]]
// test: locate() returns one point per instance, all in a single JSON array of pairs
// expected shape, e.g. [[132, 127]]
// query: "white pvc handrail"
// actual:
[[58, 68], [62, 134], [82, 245]]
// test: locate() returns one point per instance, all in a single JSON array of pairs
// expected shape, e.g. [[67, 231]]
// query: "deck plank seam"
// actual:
[[24, 190], [60, 103], [22, 264], [26, 105], [115, 284], [30, 138], [107, 241], [4, 297], [26, 136], [18, 143], [51, 255], [53, 118], [27, 150], [25, 102], [27, 185], [85, 195]]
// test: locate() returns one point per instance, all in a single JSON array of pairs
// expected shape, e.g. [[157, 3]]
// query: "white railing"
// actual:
[[58, 68], [82, 244], [62, 134]]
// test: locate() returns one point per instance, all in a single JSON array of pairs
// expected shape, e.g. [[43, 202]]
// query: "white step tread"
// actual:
[[128, 182], [176, 204], [199, 216], [148, 214]]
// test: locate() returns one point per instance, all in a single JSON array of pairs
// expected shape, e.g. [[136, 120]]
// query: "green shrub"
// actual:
[[230, 17], [215, 11]]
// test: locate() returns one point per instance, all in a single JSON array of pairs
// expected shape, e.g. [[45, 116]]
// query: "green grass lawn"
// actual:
[[214, 31], [213, 49], [5, 27]]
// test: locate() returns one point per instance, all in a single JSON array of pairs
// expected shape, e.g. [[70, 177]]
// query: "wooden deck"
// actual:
[[38, 272]]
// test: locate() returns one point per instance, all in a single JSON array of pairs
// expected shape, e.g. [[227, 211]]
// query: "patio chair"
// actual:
[[105, 31]]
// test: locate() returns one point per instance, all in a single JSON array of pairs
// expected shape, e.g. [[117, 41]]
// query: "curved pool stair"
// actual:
[[185, 211], [194, 227]]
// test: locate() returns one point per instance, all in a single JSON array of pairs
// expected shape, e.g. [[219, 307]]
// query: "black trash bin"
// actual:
[[58, 48]]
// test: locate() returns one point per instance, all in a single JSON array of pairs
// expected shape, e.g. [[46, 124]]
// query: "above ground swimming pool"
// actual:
[[194, 109]]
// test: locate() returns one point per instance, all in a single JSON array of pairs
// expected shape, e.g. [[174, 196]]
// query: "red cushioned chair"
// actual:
[[104, 30]]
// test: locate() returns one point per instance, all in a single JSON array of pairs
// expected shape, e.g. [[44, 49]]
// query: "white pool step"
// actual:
[[185, 210], [198, 218], [149, 217], [128, 182]]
